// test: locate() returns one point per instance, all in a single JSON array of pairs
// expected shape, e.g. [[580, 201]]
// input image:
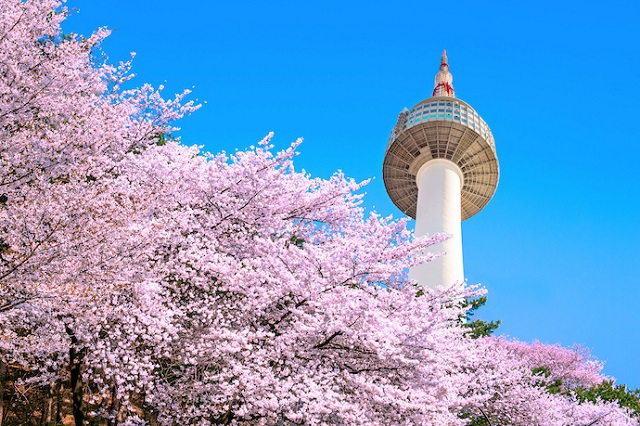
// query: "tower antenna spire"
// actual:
[[443, 82]]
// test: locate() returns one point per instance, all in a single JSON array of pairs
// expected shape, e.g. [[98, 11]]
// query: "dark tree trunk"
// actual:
[[225, 419], [3, 371], [50, 404], [58, 394], [75, 369], [47, 406], [115, 407], [150, 416]]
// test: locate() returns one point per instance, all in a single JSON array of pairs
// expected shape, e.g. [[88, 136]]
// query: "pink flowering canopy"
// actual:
[[143, 281]]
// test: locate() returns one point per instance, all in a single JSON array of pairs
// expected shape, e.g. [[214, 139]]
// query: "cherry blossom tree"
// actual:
[[67, 210], [146, 282]]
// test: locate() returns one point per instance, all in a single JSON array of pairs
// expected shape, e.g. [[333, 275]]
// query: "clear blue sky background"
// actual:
[[557, 81]]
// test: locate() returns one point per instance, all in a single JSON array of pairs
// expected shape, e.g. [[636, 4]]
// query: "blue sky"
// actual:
[[557, 82]]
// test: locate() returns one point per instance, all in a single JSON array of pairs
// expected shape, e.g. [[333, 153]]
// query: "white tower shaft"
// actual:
[[439, 210]]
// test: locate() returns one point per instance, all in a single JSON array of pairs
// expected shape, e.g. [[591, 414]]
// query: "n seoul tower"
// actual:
[[441, 168]]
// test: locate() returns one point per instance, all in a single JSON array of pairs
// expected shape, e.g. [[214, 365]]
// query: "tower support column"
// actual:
[[439, 210]]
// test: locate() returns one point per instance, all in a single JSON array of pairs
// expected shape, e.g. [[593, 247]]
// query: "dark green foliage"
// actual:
[[543, 373], [608, 391], [298, 242], [477, 328], [162, 138]]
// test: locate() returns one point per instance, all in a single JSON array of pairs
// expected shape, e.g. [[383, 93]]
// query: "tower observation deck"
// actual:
[[441, 168]]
